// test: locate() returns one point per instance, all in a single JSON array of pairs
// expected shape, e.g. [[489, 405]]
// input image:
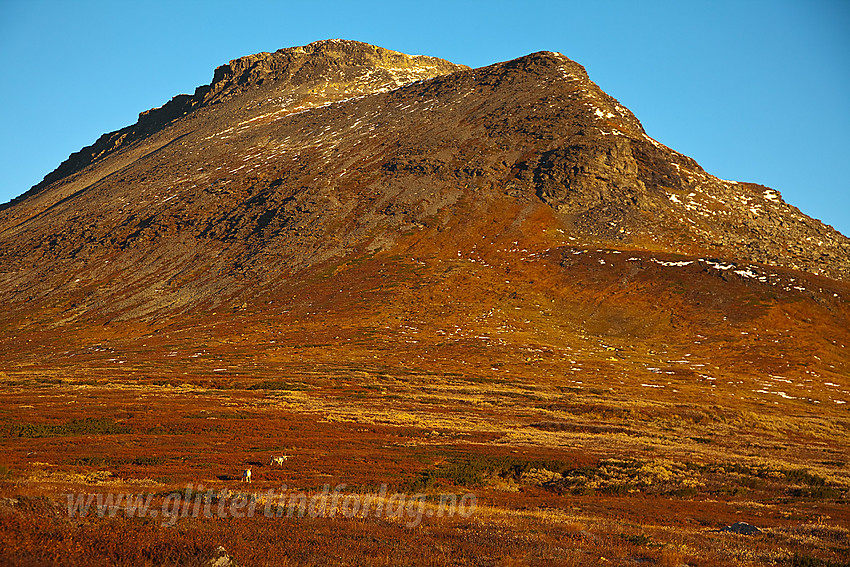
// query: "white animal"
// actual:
[[278, 460], [246, 475]]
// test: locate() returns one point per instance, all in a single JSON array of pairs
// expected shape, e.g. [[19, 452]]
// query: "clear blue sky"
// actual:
[[754, 91]]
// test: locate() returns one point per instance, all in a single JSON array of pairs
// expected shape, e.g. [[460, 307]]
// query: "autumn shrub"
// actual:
[[83, 426], [803, 476], [278, 385], [804, 560], [638, 539], [474, 471]]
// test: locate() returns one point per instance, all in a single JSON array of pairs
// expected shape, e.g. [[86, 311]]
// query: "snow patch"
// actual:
[[674, 264], [604, 114], [718, 265], [746, 273]]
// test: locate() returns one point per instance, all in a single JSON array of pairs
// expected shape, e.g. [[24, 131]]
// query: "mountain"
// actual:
[[324, 155], [400, 270], [352, 189]]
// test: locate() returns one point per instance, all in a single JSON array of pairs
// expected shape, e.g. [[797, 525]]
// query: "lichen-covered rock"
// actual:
[[742, 528]]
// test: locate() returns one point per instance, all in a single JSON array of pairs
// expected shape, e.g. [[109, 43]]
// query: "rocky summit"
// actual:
[[433, 266]]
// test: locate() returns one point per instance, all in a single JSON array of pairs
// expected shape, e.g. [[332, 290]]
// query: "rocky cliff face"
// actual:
[[314, 155]]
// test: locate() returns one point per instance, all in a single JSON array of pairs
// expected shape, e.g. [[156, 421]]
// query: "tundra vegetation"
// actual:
[[563, 475]]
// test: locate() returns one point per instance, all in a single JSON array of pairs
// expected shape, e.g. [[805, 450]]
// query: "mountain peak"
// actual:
[[334, 64]]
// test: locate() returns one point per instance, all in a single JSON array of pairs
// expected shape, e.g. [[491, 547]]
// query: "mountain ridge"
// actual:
[[250, 71]]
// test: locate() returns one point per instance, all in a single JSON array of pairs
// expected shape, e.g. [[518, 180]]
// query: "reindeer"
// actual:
[[278, 460], [246, 475]]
